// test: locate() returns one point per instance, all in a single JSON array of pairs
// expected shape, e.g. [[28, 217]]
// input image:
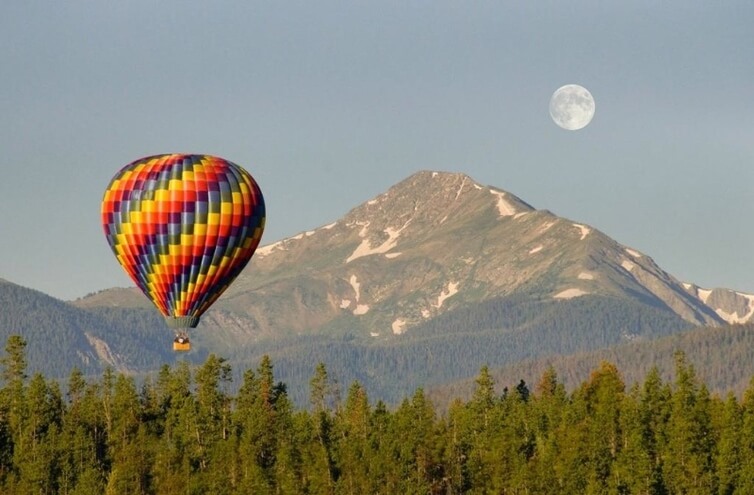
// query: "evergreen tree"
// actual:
[[322, 451], [353, 446], [728, 458], [173, 464], [13, 366], [603, 393], [83, 439], [687, 460], [262, 415], [550, 402], [213, 426], [129, 444], [35, 453]]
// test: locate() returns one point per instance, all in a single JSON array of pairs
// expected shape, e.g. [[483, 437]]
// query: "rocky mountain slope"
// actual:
[[434, 242], [733, 307]]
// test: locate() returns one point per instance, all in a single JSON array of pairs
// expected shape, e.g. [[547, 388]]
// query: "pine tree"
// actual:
[[83, 438], [353, 447], [322, 451], [36, 452], [728, 458], [415, 447], [654, 412], [213, 419], [13, 366], [173, 464], [687, 461], [549, 404], [129, 444], [603, 393], [263, 419], [746, 474], [633, 468]]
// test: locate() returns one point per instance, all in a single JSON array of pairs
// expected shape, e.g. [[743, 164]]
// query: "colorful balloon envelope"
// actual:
[[183, 227]]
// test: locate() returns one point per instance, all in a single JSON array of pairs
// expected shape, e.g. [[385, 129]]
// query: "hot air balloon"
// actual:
[[183, 227]]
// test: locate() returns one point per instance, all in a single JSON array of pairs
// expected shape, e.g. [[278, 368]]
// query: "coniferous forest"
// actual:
[[183, 431]]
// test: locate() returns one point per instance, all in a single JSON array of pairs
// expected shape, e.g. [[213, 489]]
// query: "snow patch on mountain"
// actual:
[[628, 265], [392, 255], [733, 317], [633, 253], [283, 244], [366, 249], [450, 291], [354, 281], [570, 293], [361, 309], [458, 193], [584, 230], [704, 294], [545, 227], [265, 250], [398, 326], [504, 208], [344, 303], [536, 249], [586, 276]]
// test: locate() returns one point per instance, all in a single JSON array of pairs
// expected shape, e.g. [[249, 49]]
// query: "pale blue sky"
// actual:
[[328, 104]]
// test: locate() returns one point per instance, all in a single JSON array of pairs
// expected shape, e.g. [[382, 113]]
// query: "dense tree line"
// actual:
[[450, 347], [184, 431], [724, 356]]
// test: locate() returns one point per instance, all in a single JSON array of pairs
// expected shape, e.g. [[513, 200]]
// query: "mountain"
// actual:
[[429, 280], [61, 336], [434, 242]]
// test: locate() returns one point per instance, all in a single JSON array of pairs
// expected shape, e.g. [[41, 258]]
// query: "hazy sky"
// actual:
[[328, 104]]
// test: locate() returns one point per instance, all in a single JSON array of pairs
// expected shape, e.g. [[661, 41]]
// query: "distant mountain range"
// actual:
[[420, 285]]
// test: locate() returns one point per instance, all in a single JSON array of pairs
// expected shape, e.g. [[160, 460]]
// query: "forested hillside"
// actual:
[[455, 345], [61, 336], [184, 432], [447, 348], [724, 357]]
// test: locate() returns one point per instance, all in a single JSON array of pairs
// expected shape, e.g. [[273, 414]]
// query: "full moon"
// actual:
[[572, 107]]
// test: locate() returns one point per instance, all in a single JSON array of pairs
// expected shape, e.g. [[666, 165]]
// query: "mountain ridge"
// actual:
[[432, 211], [412, 212], [421, 284]]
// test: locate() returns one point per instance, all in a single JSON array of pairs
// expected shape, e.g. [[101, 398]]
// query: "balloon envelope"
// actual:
[[183, 227]]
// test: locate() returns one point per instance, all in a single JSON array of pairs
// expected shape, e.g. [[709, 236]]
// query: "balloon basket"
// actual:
[[181, 344]]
